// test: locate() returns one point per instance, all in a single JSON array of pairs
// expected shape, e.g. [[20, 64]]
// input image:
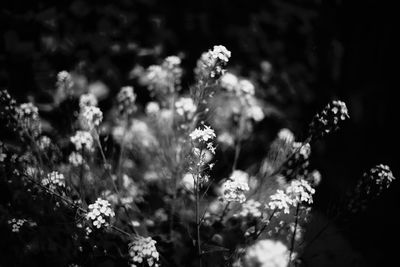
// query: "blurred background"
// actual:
[[318, 50]]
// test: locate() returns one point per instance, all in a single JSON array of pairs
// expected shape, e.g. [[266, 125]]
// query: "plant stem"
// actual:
[[294, 234], [197, 187]]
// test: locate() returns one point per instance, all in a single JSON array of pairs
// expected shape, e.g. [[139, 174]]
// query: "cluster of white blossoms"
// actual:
[[126, 100], [64, 80], [143, 250], [152, 108], [267, 253], [82, 139], [298, 191], [185, 107], [28, 118], [211, 64], [87, 100], [90, 117], [235, 187], [240, 87], [54, 181], [75, 159], [16, 224], [377, 179], [100, 213], [203, 135], [251, 208]]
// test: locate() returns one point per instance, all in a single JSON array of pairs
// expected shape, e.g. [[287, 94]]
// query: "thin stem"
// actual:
[[294, 234], [265, 225], [198, 219]]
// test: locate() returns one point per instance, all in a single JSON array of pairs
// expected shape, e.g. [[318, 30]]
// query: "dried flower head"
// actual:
[[329, 119], [143, 252]]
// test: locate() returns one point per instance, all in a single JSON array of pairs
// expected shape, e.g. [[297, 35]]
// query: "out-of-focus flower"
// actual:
[[28, 119], [75, 159], [126, 100], [229, 82], [8, 110], [251, 208], [211, 64], [255, 112], [64, 80], [2, 154], [226, 139], [87, 100], [152, 108], [143, 252], [54, 181], [185, 107], [44, 142], [188, 181], [82, 139], [16, 224], [90, 117], [246, 87], [100, 213], [381, 175], [235, 187], [329, 119], [203, 135], [267, 253]]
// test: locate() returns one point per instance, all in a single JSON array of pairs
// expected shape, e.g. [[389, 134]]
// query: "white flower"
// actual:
[[267, 253], [246, 87], [54, 181], [251, 208], [126, 100], [203, 135], [226, 138], [188, 181], [235, 187], [100, 213], [255, 112], [82, 139], [75, 159], [44, 142], [87, 100], [280, 201], [90, 117], [229, 81], [16, 224], [185, 107], [152, 108], [300, 191], [143, 250], [28, 118], [286, 135], [211, 64]]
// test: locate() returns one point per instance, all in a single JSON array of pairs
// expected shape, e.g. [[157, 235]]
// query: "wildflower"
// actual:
[[203, 135], [44, 142], [226, 138], [87, 100], [251, 208], [381, 175], [8, 110], [185, 107], [64, 80], [246, 87], [280, 201], [54, 181], [235, 187], [188, 181], [3, 155], [126, 100], [100, 213], [75, 159], [211, 64], [255, 112], [90, 117], [329, 119], [229, 82], [266, 253], [143, 250], [152, 108], [28, 118], [16, 224], [82, 139], [300, 191]]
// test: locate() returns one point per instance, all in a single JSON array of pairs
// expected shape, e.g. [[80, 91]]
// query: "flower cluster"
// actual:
[[126, 101], [75, 159], [143, 250], [203, 135], [44, 142], [329, 119], [251, 208], [90, 117], [82, 139], [2, 150], [16, 224], [240, 87], [280, 201], [64, 80], [100, 213], [152, 108], [87, 100], [54, 181], [185, 107], [235, 187], [267, 253], [8, 110], [28, 119], [211, 64]]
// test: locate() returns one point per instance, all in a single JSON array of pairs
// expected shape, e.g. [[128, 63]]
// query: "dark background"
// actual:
[[325, 49]]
